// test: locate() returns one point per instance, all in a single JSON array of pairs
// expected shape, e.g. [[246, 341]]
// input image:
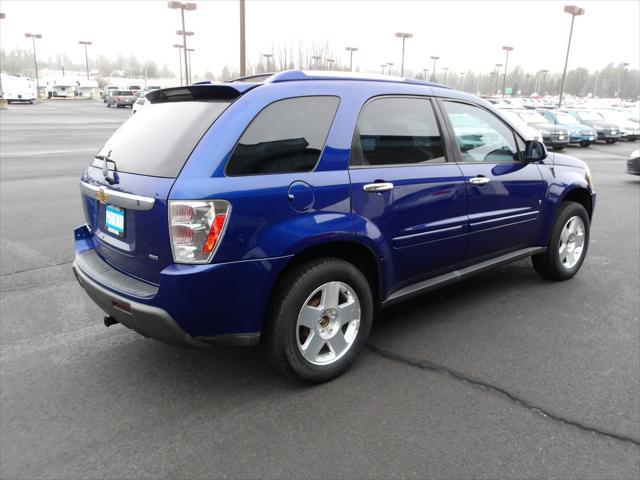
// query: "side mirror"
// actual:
[[534, 151]]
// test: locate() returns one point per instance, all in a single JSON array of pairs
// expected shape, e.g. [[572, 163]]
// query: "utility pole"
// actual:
[[243, 61], [33, 37], [178, 46], [183, 32], [403, 36], [433, 74], [86, 57], [574, 12], [351, 50], [506, 63]]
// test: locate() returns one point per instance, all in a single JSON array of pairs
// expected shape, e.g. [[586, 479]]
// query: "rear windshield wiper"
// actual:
[[105, 167]]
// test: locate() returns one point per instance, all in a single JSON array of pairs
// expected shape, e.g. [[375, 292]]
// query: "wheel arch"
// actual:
[[356, 253], [581, 195]]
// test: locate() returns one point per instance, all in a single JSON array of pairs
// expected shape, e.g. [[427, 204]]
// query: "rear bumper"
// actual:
[[197, 305], [147, 320]]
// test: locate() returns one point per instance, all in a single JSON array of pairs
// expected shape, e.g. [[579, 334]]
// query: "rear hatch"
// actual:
[[125, 188]]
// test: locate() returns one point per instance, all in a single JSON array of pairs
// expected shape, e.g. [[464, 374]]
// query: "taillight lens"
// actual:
[[196, 228]]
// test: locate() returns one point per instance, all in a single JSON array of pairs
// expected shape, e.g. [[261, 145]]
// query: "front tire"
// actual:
[[568, 243], [319, 320]]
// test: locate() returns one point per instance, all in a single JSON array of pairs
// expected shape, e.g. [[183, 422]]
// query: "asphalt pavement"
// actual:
[[505, 375]]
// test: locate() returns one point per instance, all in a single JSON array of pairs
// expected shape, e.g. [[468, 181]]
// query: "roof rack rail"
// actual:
[[297, 75], [294, 75]]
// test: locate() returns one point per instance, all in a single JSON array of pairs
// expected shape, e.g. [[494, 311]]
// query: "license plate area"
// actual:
[[114, 220]]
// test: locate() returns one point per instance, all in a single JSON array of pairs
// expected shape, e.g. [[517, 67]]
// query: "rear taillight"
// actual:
[[196, 228]]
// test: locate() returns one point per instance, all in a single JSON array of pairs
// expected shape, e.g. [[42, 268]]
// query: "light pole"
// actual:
[[526, 81], [189, 50], [506, 64], [621, 86], [403, 36], [389, 65], [243, 68], [183, 32], [317, 60], [33, 37], [330, 62], [425, 70], [461, 80], [351, 50], [268, 56], [445, 74], [544, 81], [179, 47], [384, 65], [433, 73], [86, 58], [574, 12]]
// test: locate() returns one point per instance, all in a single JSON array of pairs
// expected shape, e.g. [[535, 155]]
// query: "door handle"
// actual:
[[480, 181], [378, 187]]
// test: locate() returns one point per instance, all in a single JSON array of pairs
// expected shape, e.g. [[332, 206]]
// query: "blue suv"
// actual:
[[284, 210]]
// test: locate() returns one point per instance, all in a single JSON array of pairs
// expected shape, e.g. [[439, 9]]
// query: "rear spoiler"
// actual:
[[204, 91]]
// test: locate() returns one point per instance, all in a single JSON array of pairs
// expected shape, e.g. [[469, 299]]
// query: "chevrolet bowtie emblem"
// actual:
[[101, 195]]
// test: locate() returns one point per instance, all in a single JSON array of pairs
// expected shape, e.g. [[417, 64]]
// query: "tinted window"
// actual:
[[481, 136], [123, 92], [397, 131], [158, 139], [285, 137]]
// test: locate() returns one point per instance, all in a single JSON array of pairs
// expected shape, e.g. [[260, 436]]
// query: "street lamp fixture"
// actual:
[[179, 47], [425, 70], [433, 74], [574, 12], [389, 65], [403, 36], [351, 50], [86, 58], [506, 64], [330, 62], [183, 32], [384, 65], [317, 59], [33, 37]]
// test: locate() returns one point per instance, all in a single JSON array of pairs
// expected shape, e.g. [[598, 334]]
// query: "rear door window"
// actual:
[[157, 140], [285, 137], [397, 130]]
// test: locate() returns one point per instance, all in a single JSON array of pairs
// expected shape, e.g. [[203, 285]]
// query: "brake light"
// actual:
[[196, 228]]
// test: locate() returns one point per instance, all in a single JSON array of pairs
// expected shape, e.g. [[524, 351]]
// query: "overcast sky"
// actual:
[[466, 35]]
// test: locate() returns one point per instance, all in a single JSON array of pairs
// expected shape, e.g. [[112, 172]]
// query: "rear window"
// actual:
[[123, 92], [286, 137], [158, 139]]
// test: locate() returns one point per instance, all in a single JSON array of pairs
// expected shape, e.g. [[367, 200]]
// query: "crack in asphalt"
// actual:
[[35, 268], [441, 369]]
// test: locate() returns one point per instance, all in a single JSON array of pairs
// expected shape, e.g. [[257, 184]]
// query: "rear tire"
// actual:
[[318, 321], [568, 243], [611, 140], [584, 144]]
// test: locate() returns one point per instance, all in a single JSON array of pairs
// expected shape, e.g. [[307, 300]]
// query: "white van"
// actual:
[[16, 88]]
